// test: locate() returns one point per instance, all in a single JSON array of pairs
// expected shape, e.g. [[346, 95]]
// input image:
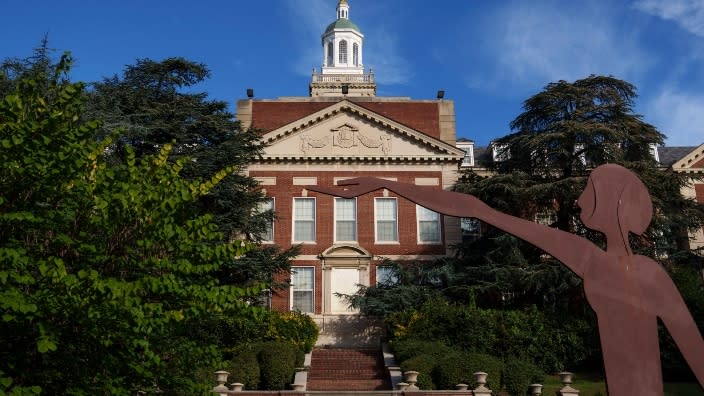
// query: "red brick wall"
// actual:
[[421, 116], [699, 191], [284, 191]]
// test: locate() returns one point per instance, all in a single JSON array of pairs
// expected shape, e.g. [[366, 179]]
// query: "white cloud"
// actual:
[[689, 14], [540, 42], [678, 115]]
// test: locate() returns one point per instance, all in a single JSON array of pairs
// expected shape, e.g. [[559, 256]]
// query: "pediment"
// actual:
[[345, 251], [692, 162], [347, 131]]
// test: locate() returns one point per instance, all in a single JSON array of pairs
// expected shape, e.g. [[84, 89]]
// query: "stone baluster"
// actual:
[[221, 379], [567, 389], [535, 389], [481, 389], [411, 377]]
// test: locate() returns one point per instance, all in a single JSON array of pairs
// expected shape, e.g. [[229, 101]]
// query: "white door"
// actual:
[[344, 281]]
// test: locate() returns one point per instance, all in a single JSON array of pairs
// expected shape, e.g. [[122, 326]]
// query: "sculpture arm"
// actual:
[[568, 248]]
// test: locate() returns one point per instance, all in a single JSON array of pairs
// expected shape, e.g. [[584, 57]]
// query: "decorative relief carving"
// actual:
[[347, 136], [308, 142], [384, 142]]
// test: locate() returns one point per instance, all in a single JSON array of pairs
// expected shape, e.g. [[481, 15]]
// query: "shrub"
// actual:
[[409, 348], [518, 374], [424, 365], [244, 368], [458, 367], [277, 364], [293, 327]]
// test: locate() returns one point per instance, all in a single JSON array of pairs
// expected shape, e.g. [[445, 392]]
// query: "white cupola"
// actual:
[[342, 44], [342, 73]]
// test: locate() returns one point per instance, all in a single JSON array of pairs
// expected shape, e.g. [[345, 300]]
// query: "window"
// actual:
[[343, 51], [471, 229], [266, 206], [386, 224], [302, 281], [468, 148], [428, 225], [386, 275], [345, 219], [304, 219], [546, 217], [355, 54], [331, 57]]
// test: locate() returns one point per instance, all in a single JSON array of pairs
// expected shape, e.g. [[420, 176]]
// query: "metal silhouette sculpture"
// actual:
[[628, 292]]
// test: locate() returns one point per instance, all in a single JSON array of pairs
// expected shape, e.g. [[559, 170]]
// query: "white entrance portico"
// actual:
[[345, 267]]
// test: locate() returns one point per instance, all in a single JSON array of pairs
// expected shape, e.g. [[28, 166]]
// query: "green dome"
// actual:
[[342, 23]]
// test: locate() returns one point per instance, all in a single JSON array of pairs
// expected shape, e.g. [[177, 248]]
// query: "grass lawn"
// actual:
[[590, 385]]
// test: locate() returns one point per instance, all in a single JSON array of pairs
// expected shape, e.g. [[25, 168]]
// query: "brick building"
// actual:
[[343, 130]]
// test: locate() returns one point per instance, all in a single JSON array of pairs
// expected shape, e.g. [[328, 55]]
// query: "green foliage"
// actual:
[[405, 349], [277, 363], [294, 327], [518, 374], [103, 268], [530, 334], [458, 367], [425, 365], [244, 368]]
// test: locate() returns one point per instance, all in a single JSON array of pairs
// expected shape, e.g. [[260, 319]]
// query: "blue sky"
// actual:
[[488, 56]]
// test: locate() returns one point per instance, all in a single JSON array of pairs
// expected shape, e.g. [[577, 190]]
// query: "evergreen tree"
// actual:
[[154, 103]]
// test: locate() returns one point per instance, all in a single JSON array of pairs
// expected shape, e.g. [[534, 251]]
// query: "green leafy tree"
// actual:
[[155, 103], [103, 267]]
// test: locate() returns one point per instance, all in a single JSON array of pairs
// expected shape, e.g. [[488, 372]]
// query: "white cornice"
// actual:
[[686, 162]]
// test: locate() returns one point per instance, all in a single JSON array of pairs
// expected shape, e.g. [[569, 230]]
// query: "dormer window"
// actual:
[[468, 148]]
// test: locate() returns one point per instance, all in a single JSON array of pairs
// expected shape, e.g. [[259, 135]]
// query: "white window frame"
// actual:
[[294, 219], [386, 271], [355, 54], [377, 219], [261, 208], [293, 289], [342, 52], [337, 219], [424, 215]]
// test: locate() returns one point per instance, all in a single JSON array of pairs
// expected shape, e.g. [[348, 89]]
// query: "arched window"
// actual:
[[343, 51], [330, 55], [355, 54]]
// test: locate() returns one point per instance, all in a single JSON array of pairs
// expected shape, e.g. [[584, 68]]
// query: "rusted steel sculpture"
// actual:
[[628, 292]]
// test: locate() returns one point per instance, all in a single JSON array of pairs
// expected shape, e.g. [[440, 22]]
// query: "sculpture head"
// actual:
[[615, 200]]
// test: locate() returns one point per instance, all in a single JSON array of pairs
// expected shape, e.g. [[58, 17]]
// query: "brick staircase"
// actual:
[[343, 369]]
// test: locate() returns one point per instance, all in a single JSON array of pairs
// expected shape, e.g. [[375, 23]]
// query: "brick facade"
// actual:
[[421, 151]]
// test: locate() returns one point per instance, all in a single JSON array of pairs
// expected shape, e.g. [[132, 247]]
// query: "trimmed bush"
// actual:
[[409, 348], [244, 368], [458, 367], [518, 374], [277, 364], [424, 365]]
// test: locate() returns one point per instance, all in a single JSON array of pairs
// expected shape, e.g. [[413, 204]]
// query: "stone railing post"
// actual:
[[567, 389], [221, 379], [411, 377], [481, 389], [535, 389]]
